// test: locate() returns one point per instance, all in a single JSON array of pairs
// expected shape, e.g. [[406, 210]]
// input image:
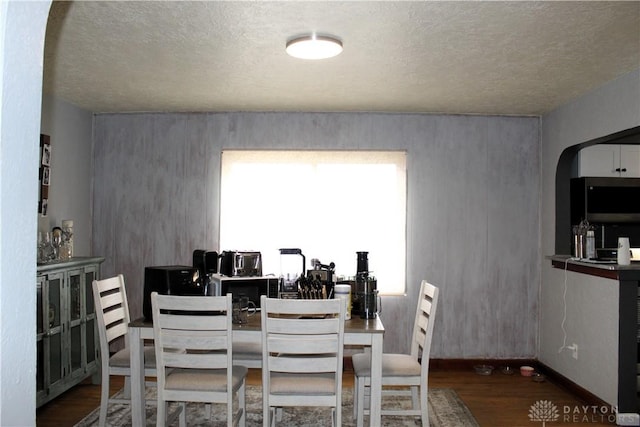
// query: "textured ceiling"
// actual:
[[521, 58]]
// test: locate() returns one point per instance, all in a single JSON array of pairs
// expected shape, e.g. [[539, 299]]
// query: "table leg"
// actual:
[[136, 346], [375, 404]]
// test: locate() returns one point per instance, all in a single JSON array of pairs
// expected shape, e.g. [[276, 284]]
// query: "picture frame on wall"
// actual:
[[46, 155], [44, 206], [45, 174]]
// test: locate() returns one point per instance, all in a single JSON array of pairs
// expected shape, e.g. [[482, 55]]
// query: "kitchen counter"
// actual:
[[627, 277], [609, 270]]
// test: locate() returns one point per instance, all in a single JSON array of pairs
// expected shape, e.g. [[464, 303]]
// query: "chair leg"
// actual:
[[355, 397], [243, 405], [266, 410], [360, 403], [424, 408], [104, 399], [126, 391], [414, 397], [161, 417], [272, 417], [182, 419], [230, 414]]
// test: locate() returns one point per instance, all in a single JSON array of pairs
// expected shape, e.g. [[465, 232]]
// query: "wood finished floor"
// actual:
[[495, 401]]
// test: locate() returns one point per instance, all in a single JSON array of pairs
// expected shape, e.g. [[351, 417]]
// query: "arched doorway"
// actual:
[[21, 55], [566, 169]]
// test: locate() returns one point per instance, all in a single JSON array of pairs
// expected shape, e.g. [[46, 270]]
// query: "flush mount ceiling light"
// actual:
[[314, 47]]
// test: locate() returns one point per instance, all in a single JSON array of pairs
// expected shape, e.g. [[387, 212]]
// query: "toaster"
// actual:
[[240, 263]]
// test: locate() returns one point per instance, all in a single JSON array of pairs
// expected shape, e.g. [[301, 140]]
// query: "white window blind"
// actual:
[[330, 204]]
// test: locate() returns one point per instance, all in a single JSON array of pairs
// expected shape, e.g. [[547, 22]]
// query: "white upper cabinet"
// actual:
[[630, 161], [612, 160]]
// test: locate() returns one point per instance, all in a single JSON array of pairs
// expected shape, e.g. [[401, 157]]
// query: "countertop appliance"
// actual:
[[250, 287], [241, 263], [290, 274], [170, 280], [365, 297]]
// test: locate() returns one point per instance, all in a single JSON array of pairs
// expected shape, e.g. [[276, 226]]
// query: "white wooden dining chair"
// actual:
[[302, 348], [112, 313], [194, 355], [406, 373]]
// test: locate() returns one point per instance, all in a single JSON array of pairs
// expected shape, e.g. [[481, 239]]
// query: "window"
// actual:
[[330, 204]]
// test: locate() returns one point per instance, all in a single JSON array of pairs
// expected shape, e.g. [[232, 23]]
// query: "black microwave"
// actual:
[[602, 200], [251, 287], [170, 280]]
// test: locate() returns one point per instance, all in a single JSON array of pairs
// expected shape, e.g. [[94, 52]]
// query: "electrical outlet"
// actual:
[[574, 350], [628, 419]]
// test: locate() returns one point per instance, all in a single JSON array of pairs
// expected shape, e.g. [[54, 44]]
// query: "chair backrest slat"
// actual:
[[309, 308], [317, 344], [302, 365], [195, 360], [115, 315], [192, 323], [110, 300], [293, 326], [117, 331], [197, 340]]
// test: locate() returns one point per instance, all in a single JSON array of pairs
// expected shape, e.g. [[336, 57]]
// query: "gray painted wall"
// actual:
[[592, 304], [71, 131], [472, 220]]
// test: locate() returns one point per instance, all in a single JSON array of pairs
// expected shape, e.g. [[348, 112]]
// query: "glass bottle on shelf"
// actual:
[[67, 237]]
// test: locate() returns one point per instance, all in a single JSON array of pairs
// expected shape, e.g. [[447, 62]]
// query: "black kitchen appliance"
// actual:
[[241, 263], [365, 299], [207, 264], [199, 261], [605, 200], [250, 287], [211, 261], [610, 205], [170, 280]]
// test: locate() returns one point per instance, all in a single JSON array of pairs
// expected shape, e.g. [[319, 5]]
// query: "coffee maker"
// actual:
[[365, 298]]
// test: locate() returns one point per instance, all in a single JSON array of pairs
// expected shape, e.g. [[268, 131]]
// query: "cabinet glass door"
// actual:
[[54, 326], [39, 306], [75, 320], [40, 327], [90, 311]]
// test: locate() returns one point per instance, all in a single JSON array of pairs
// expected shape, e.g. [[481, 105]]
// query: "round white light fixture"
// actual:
[[314, 47]]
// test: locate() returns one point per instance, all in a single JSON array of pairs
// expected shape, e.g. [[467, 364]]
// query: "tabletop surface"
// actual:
[[353, 325]]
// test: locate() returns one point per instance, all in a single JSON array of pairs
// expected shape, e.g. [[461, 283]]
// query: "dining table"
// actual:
[[358, 332]]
